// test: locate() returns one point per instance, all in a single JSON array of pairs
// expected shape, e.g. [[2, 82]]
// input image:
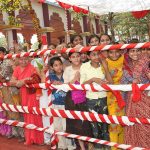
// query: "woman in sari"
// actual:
[[5, 97], [23, 74], [136, 70]]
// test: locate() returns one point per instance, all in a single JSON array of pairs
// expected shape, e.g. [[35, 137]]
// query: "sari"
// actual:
[[138, 134], [5, 96], [29, 99], [116, 132]]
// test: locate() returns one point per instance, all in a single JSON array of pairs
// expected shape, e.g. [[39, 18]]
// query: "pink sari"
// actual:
[[31, 136]]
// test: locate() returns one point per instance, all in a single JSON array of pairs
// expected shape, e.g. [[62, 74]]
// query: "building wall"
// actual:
[[58, 21]]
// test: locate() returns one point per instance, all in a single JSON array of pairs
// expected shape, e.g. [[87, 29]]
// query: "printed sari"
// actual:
[[138, 134]]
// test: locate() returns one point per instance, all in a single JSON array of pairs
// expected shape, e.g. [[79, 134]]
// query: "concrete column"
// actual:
[[46, 21]]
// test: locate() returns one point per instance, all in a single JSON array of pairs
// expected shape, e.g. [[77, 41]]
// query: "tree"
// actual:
[[125, 26]]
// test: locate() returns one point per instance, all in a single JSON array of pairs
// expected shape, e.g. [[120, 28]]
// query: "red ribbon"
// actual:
[[55, 141], [117, 94], [137, 91]]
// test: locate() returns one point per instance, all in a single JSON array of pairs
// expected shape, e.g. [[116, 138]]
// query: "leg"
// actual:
[[96, 127]]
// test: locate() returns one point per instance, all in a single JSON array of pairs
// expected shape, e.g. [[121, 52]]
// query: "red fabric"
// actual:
[[75, 8], [117, 94], [140, 14], [138, 135], [126, 64], [64, 5], [79, 10], [136, 91], [41, 1], [31, 136], [35, 79], [44, 40]]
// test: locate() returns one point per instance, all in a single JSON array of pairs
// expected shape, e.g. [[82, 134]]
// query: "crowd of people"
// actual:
[[92, 67]]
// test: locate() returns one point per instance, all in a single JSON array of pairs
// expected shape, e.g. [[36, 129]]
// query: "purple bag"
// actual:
[[78, 96]]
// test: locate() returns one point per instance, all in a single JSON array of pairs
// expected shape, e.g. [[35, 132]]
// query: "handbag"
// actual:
[[78, 96], [35, 79]]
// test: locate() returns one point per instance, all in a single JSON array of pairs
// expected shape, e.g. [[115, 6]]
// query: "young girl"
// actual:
[[58, 98], [77, 42], [105, 39], [115, 65], [92, 73], [72, 75], [136, 70], [94, 40]]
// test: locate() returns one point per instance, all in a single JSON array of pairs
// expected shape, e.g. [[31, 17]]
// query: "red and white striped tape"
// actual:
[[84, 138], [47, 80], [86, 87], [83, 49], [92, 117]]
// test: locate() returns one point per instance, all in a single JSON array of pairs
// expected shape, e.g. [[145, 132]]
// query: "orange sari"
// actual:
[[29, 99]]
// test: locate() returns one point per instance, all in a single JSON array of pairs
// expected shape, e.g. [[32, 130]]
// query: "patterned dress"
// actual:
[[116, 132], [5, 96], [138, 134]]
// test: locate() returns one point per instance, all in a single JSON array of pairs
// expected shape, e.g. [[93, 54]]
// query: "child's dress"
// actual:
[[116, 71]]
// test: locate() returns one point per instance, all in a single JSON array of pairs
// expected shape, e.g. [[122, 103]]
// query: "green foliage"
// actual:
[[14, 21], [3, 42], [126, 26], [9, 5]]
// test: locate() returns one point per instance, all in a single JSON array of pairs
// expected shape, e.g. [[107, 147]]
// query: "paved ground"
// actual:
[[12, 144]]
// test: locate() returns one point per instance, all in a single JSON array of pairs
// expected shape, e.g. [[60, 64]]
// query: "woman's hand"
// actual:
[[77, 76], [20, 83]]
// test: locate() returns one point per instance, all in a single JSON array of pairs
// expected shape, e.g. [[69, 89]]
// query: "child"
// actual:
[[58, 98], [94, 40], [105, 39], [72, 75], [115, 65], [91, 72], [77, 42]]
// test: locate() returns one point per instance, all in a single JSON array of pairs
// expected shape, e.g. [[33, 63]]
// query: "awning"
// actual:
[[105, 6]]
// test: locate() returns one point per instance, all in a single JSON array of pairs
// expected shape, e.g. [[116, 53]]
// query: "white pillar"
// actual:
[[9, 36]]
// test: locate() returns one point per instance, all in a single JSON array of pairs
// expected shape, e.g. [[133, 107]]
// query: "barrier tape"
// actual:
[[83, 49], [86, 87], [47, 80], [84, 138], [80, 115]]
